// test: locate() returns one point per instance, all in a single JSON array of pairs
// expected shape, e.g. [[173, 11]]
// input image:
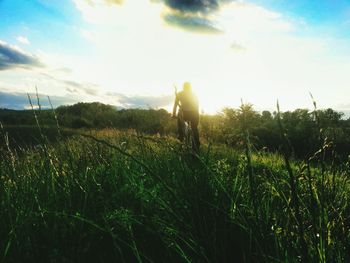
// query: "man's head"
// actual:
[[187, 86]]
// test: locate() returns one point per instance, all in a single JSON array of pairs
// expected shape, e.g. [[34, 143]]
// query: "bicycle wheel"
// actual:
[[190, 140]]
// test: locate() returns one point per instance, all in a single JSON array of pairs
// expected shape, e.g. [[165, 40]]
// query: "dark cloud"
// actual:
[[19, 101], [11, 57], [193, 15], [141, 101], [13, 101], [194, 6], [196, 24], [75, 87]]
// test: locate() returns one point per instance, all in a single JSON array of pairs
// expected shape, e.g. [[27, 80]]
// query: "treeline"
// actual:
[[98, 115], [306, 130], [93, 115]]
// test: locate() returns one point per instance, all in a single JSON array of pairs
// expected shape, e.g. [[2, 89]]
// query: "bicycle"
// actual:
[[188, 139]]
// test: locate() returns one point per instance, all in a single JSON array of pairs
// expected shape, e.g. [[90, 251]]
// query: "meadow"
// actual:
[[119, 196], [84, 194]]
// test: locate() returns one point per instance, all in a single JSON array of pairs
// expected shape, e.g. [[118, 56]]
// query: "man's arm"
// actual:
[[176, 103]]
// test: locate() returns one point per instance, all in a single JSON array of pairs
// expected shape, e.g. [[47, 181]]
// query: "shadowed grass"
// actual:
[[114, 196]]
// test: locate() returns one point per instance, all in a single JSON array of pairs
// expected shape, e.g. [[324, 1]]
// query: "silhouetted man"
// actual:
[[187, 102]]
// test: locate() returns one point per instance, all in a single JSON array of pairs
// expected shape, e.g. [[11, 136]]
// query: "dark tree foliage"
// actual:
[[94, 115], [306, 130]]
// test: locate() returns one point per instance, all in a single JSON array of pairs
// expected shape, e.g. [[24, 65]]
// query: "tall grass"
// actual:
[[130, 198], [112, 196]]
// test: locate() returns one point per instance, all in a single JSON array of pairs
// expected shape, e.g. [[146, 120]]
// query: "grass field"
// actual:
[[112, 196]]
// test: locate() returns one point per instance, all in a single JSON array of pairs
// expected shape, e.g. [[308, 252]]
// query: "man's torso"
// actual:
[[188, 101]]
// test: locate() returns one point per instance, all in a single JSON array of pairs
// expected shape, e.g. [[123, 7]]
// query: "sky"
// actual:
[[131, 53]]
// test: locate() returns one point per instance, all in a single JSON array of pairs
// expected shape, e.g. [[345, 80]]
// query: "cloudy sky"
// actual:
[[131, 53]]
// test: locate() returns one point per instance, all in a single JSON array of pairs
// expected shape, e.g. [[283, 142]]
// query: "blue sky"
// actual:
[[332, 16], [122, 52], [312, 10], [51, 25]]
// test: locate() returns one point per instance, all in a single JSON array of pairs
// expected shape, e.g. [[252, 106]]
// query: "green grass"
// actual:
[[126, 198]]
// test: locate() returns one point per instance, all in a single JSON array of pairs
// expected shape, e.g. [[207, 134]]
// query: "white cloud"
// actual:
[[23, 40], [134, 52], [138, 53]]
